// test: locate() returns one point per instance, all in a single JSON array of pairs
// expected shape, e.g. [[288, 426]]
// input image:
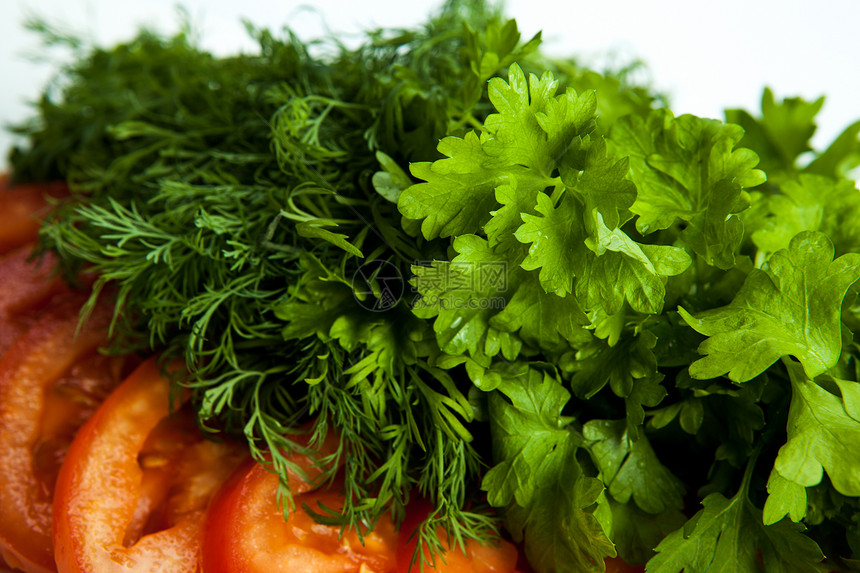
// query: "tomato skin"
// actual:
[[131, 457], [26, 287], [478, 558], [36, 425], [245, 532], [23, 205]]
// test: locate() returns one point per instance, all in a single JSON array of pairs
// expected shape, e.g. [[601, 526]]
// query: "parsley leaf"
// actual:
[[627, 271], [609, 267], [560, 527], [782, 133], [543, 320], [458, 194], [557, 240], [636, 533], [841, 157], [812, 203], [630, 469], [630, 369], [728, 535], [785, 497], [689, 169], [550, 500], [572, 234], [463, 295], [483, 296], [823, 435], [534, 127], [530, 433], [781, 137], [524, 140], [792, 307]]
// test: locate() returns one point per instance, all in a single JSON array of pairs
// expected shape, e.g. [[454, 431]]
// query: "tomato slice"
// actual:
[[51, 379], [134, 485], [245, 531], [23, 206], [477, 557], [25, 288]]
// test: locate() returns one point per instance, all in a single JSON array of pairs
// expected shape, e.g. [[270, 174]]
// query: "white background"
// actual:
[[706, 55]]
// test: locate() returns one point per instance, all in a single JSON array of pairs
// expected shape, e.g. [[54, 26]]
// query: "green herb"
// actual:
[[505, 280], [728, 534]]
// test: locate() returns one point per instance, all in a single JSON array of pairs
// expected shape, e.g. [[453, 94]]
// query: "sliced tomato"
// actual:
[[25, 288], [51, 379], [24, 285], [245, 530], [135, 483], [22, 208], [500, 557], [477, 558]]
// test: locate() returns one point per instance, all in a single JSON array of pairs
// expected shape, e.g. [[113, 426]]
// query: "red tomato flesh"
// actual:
[[245, 530], [23, 206], [51, 379], [477, 558], [132, 459], [25, 288]]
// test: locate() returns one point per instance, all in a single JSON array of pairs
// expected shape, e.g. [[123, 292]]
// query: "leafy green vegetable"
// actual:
[[791, 308], [228, 203], [636, 533], [631, 469], [517, 286], [728, 535], [551, 499], [689, 168], [783, 134], [800, 207], [823, 432]]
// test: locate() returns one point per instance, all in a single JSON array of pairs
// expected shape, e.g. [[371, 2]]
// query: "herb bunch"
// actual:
[[613, 314], [228, 204]]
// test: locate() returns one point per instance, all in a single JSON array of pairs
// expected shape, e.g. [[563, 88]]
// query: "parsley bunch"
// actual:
[[641, 273], [505, 280]]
